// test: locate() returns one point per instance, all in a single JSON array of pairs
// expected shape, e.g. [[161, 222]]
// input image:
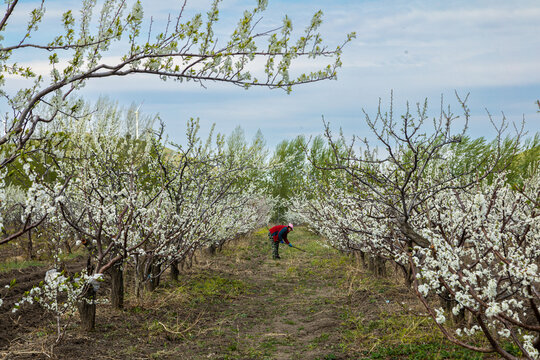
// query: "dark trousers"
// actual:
[[275, 249]]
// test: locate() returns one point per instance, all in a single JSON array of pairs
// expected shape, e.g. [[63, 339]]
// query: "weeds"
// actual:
[[429, 351], [213, 287], [18, 265]]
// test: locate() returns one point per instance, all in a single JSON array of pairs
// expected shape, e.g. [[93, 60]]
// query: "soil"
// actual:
[[31, 317], [236, 304]]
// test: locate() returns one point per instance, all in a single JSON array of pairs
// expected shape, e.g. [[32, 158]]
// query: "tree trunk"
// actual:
[[30, 249], [447, 303], [67, 246], [536, 343], [140, 275], [381, 267], [377, 266], [117, 285], [407, 274], [188, 261], [211, 250], [360, 258], [138, 284], [153, 277], [174, 271], [147, 274], [87, 310]]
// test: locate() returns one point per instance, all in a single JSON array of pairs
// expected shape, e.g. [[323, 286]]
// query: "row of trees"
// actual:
[[133, 203], [460, 217]]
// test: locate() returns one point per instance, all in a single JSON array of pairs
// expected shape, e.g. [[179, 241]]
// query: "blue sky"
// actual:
[[417, 49]]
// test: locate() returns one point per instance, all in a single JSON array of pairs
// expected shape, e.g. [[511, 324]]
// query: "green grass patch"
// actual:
[[206, 287], [18, 265], [271, 343], [261, 232], [400, 336], [429, 351], [75, 254], [389, 329], [331, 263], [329, 357], [321, 338], [359, 281]]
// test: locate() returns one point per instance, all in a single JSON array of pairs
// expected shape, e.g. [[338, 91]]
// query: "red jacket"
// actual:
[[278, 233]]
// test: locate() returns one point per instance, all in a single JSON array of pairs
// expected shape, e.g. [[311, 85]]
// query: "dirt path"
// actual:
[[241, 304], [292, 309]]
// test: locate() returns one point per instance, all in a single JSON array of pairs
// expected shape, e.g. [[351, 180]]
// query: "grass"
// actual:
[[19, 265], [392, 326], [203, 287], [390, 329], [428, 351]]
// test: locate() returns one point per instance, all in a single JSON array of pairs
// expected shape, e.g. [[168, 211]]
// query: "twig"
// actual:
[[186, 329], [29, 352], [297, 248]]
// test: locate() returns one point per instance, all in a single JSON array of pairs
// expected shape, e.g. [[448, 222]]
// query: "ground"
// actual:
[[241, 304]]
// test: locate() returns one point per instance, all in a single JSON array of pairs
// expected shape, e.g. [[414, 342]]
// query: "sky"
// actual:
[[413, 49]]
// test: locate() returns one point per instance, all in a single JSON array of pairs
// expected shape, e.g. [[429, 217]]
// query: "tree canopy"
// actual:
[[180, 49]]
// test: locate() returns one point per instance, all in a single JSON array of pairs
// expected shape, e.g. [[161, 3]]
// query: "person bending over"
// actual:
[[278, 234]]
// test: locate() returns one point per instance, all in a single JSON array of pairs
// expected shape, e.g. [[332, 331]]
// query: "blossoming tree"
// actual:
[[112, 42]]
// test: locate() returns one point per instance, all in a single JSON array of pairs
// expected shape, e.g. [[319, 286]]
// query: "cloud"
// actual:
[[424, 45]]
